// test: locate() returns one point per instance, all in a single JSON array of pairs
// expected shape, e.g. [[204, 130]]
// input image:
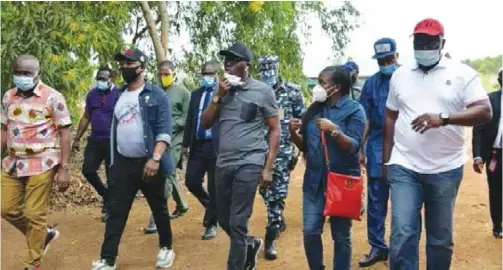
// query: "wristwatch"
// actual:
[[156, 157], [445, 118], [335, 133], [63, 166], [216, 99]]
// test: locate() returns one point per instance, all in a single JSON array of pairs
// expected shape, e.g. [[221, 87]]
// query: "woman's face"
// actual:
[[324, 81]]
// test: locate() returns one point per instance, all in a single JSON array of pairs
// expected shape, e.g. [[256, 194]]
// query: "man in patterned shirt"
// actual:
[[36, 132], [291, 102]]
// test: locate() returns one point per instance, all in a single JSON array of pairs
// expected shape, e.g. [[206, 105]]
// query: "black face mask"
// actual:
[[129, 74]]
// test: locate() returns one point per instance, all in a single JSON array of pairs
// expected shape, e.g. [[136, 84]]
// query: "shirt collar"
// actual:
[[340, 102], [248, 83], [35, 91]]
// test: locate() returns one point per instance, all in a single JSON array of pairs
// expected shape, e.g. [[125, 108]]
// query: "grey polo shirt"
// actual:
[[242, 120]]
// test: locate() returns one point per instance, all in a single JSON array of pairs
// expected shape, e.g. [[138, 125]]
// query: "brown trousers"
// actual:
[[24, 205]]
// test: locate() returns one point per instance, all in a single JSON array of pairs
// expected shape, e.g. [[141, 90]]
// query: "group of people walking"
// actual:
[[405, 126]]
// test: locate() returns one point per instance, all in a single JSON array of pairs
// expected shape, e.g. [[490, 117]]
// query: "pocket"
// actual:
[[151, 107], [248, 111]]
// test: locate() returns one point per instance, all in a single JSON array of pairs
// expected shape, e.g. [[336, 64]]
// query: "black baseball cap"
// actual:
[[240, 50], [132, 55]]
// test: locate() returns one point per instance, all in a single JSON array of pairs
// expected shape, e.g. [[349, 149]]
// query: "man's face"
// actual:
[[386, 61], [26, 68], [423, 42], [235, 65], [165, 71], [209, 70], [129, 64], [104, 75]]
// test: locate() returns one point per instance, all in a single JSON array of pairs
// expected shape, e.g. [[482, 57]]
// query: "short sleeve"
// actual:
[[269, 104], [5, 108], [60, 114], [392, 101], [88, 104], [474, 91]]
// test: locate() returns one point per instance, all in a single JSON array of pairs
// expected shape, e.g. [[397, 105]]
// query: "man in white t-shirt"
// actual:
[[423, 151]]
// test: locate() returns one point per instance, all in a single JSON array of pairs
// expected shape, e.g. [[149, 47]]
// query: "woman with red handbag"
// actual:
[[329, 136]]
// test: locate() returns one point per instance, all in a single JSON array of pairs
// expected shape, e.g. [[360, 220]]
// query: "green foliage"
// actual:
[[276, 29], [488, 68], [66, 37]]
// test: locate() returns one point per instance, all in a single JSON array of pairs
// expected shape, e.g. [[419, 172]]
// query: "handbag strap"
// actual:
[[324, 144]]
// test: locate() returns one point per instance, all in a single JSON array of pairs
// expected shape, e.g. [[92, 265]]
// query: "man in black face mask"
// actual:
[[242, 106], [140, 136]]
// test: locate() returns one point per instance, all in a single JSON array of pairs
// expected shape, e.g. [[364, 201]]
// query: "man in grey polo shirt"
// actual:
[[241, 108]]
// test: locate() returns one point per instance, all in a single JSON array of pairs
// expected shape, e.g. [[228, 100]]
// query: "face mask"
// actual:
[[427, 58], [102, 85], [270, 80], [24, 83], [129, 74], [167, 80], [388, 70], [208, 81], [233, 79]]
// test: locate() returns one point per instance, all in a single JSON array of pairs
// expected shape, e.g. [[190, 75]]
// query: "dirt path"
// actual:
[[82, 234]]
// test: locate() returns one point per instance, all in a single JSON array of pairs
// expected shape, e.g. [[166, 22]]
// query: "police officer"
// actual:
[[373, 99], [291, 103]]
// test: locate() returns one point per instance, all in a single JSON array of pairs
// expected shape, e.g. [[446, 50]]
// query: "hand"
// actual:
[[151, 168], [294, 124], [76, 145], [362, 158], [426, 121], [326, 125], [61, 179], [478, 165], [266, 178], [185, 152], [223, 87]]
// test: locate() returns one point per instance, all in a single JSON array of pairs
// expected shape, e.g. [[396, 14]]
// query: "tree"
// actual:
[[488, 68], [70, 39]]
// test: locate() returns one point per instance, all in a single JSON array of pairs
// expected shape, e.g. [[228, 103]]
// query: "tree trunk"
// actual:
[[163, 7], [152, 29]]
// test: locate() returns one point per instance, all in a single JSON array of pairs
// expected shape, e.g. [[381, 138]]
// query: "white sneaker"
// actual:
[[165, 258], [102, 265]]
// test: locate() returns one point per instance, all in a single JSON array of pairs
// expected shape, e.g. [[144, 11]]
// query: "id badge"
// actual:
[[281, 114], [492, 165]]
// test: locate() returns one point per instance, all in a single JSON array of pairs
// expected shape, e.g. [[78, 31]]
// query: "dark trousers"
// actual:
[[125, 180], [377, 209], [202, 160], [96, 151], [494, 180], [235, 189]]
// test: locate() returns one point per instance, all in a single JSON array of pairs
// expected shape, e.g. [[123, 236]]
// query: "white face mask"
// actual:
[[320, 94], [233, 80]]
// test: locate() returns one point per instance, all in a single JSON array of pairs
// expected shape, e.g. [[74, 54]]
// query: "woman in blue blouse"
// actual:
[[343, 121]]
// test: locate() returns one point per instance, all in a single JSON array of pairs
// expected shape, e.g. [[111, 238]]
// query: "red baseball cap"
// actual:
[[430, 27]]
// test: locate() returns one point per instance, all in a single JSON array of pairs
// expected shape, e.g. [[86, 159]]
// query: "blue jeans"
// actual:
[[313, 221], [409, 190], [377, 209]]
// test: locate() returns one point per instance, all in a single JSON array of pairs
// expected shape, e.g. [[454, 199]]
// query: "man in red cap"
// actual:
[[428, 106]]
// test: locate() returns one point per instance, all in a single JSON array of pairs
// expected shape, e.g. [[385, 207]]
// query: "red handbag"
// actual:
[[343, 195]]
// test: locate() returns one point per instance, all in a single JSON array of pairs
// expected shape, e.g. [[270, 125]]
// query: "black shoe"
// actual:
[[270, 251], [252, 254], [151, 227], [178, 213], [374, 257], [210, 232], [52, 234], [498, 233]]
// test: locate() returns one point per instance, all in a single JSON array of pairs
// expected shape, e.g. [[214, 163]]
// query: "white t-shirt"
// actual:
[[130, 137], [448, 88]]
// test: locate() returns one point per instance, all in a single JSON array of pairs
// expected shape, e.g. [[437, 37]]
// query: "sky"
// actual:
[[472, 30]]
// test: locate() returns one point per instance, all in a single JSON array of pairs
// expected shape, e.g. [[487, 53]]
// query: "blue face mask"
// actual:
[[427, 58], [208, 81], [24, 83], [388, 70], [272, 81], [102, 85]]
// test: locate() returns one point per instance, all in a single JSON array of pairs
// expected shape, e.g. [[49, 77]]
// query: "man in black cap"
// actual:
[[242, 106], [140, 136]]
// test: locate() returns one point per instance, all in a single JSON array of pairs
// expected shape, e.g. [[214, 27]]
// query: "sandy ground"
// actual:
[[82, 234]]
